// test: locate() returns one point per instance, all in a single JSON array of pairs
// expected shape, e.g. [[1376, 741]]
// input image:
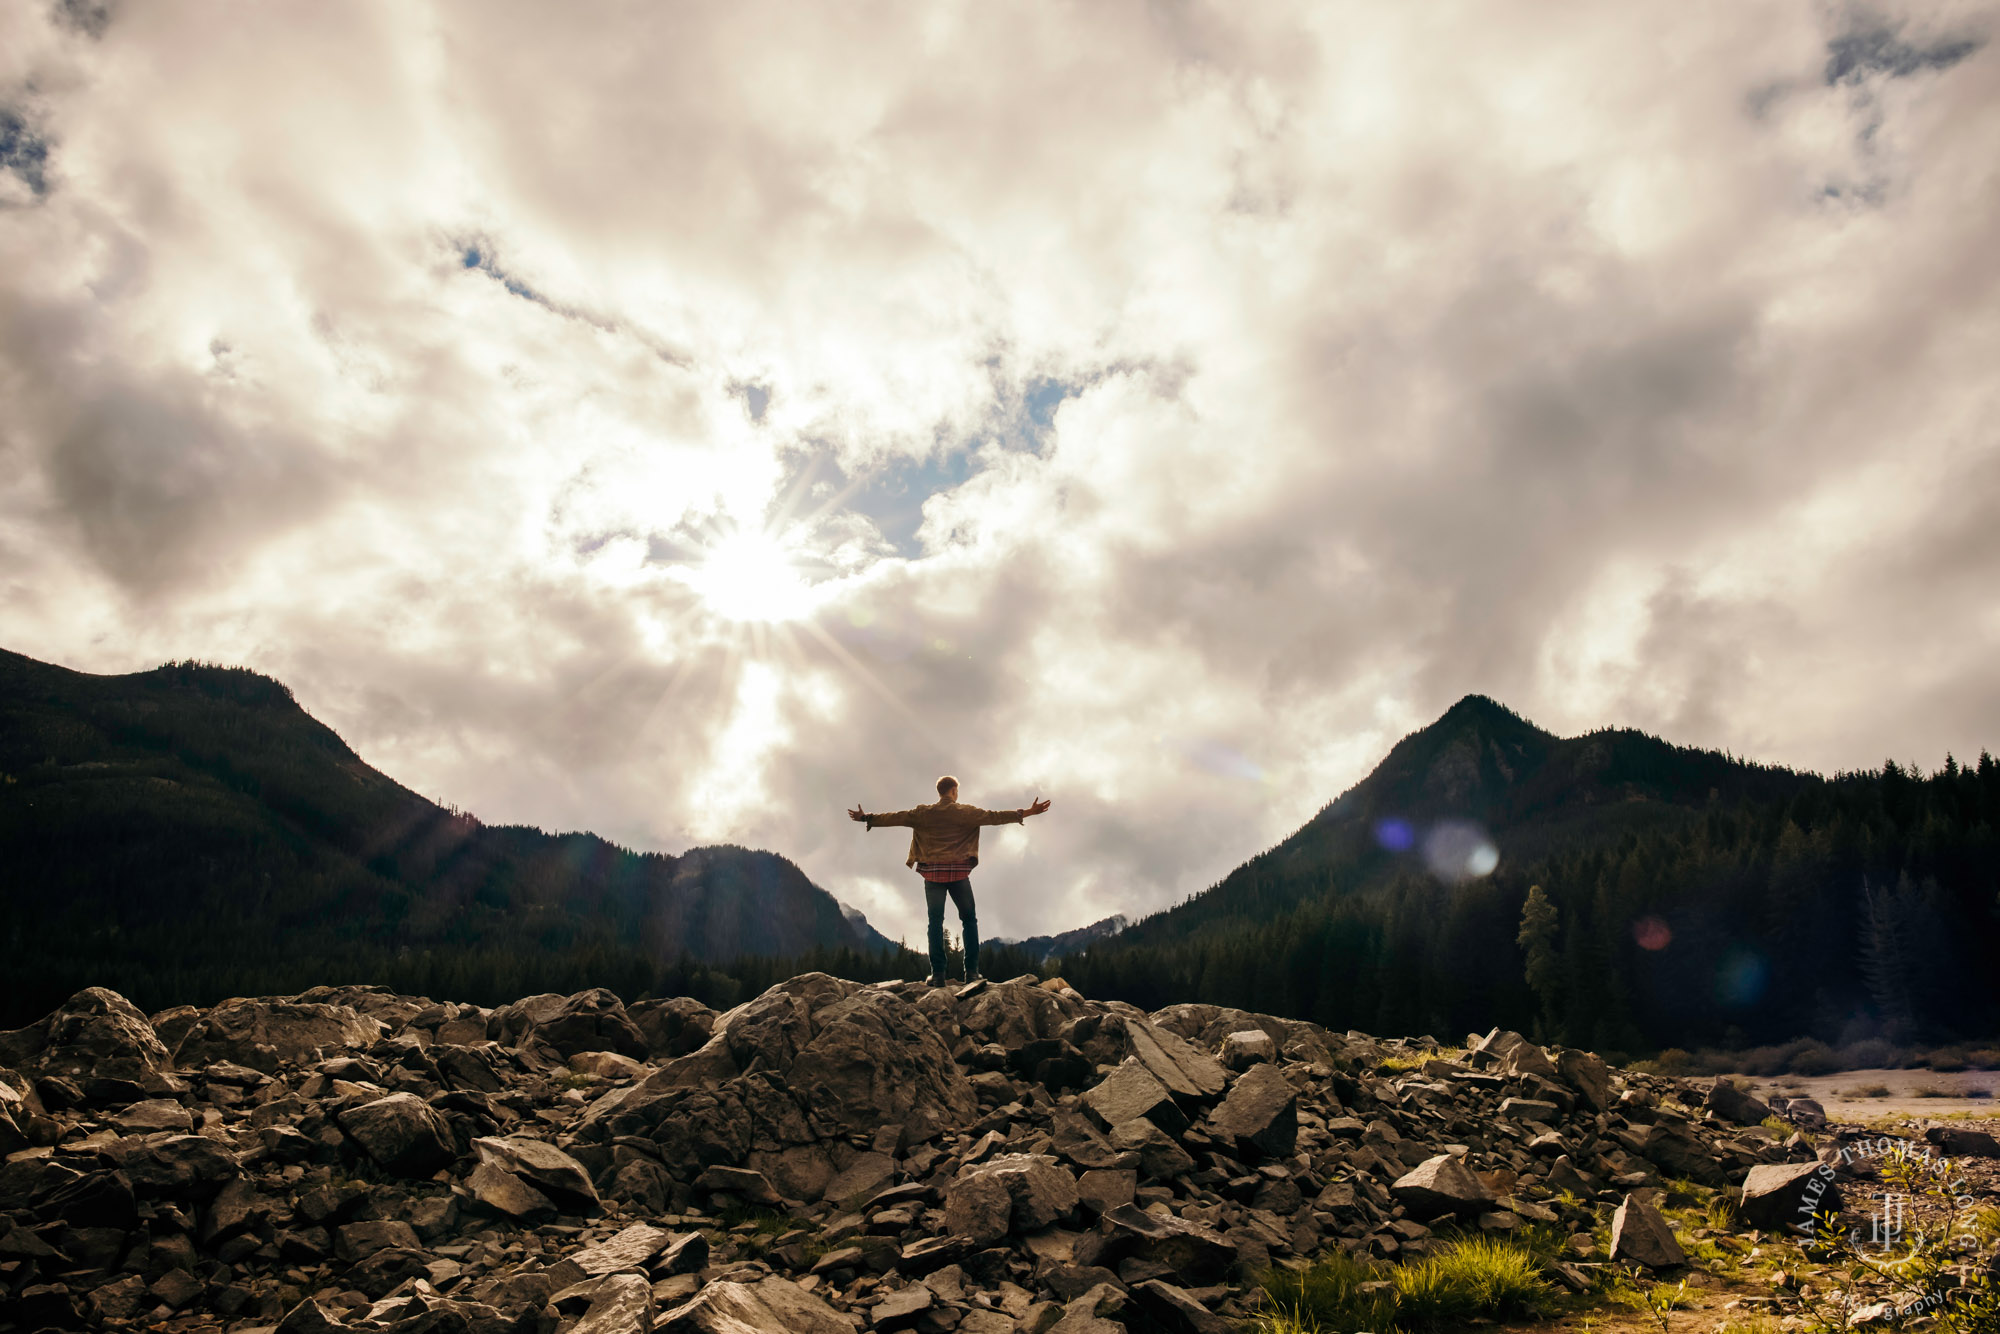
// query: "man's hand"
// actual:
[[858, 815], [1037, 808]]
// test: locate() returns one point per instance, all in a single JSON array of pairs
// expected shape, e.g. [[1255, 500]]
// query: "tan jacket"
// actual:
[[944, 831]]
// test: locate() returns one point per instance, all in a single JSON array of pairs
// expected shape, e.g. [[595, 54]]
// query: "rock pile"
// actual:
[[829, 1157]]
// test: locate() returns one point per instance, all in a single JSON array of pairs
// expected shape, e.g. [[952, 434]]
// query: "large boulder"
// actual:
[[1188, 1072], [1192, 1252], [1959, 1141], [774, 1306], [1733, 1104], [1012, 1014], [261, 1033], [812, 1059], [672, 1027], [543, 1166], [1016, 1192], [1640, 1232], [1673, 1146], [402, 1133], [510, 1024], [1130, 1093], [499, 1191], [1260, 1117], [1209, 1026], [620, 1304], [180, 1167], [629, 1250], [1243, 1049], [1441, 1185], [1787, 1195], [1587, 1073], [391, 1009], [96, 1033], [593, 1020]]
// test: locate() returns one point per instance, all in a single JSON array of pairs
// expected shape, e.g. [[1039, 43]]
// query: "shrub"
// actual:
[[1947, 1060], [1768, 1061], [1874, 1054], [1814, 1058], [1470, 1278], [1328, 1296], [1480, 1276], [1983, 1058], [1673, 1061]]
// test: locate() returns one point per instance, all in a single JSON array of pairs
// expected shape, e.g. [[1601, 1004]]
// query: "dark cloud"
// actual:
[[89, 17]]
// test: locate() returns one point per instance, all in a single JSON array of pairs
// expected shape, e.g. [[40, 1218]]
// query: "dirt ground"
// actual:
[[1845, 1095]]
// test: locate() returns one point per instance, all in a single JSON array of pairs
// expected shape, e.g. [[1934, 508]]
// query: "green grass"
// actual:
[[1470, 1277], [764, 1223], [1656, 1301], [1756, 1324]]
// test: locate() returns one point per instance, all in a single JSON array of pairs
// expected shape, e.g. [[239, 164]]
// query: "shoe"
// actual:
[[934, 980]]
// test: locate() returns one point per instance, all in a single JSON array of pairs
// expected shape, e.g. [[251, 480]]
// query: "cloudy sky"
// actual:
[[686, 421]]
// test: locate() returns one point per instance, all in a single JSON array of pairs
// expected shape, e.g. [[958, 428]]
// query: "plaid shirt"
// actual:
[[943, 873]]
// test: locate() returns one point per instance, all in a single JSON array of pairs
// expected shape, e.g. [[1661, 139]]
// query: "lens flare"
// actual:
[[1458, 850], [1652, 933], [1740, 980], [1395, 835]]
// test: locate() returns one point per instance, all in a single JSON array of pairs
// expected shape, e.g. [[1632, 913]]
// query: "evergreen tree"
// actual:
[[1543, 969]]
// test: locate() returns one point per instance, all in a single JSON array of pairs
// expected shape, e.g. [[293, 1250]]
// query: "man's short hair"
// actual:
[[946, 784]]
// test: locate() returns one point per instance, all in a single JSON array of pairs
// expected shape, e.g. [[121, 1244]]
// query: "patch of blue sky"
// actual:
[[22, 151], [892, 494], [479, 256], [1874, 47], [476, 256]]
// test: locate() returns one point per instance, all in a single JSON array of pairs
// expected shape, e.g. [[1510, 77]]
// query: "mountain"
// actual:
[[1687, 897], [870, 937], [1046, 949], [1481, 772], [192, 832]]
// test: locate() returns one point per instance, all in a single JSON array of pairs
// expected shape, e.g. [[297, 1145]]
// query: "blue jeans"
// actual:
[[968, 922]]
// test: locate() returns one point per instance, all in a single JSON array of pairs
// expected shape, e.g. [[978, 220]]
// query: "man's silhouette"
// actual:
[[944, 847]]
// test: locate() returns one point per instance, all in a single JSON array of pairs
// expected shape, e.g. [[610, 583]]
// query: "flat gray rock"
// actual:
[[401, 1133], [543, 1166], [1441, 1185], [1641, 1232], [774, 1306], [1787, 1195], [1260, 1117], [1131, 1093]]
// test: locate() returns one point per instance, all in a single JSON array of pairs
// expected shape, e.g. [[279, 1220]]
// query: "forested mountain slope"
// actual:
[[191, 832], [1696, 898]]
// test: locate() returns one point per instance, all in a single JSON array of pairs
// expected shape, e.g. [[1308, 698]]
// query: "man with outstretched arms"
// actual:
[[944, 847]]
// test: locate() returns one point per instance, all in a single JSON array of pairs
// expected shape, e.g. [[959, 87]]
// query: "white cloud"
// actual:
[[1628, 369]]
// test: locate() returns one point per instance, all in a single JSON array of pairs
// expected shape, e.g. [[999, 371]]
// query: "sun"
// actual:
[[751, 576]]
